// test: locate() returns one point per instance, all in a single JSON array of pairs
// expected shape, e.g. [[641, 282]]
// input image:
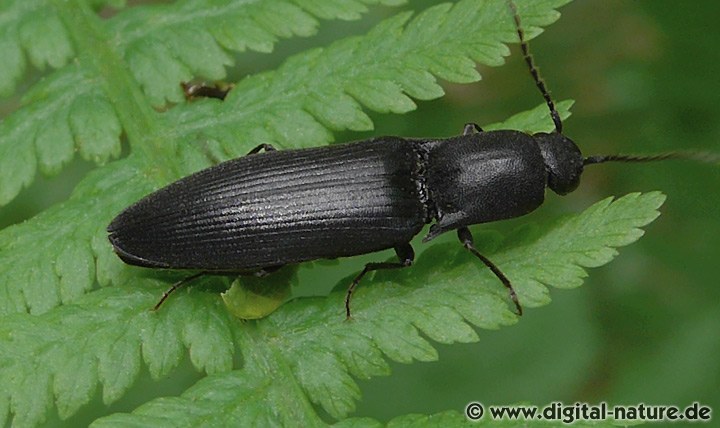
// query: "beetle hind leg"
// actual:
[[467, 240], [406, 255], [260, 273], [177, 285]]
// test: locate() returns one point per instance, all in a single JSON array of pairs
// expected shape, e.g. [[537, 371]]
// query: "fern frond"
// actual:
[[77, 108]]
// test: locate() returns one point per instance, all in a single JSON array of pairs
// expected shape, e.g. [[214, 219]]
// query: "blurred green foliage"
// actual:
[[646, 77]]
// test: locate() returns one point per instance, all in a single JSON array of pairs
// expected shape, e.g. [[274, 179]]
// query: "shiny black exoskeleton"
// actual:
[[291, 206], [281, 207]]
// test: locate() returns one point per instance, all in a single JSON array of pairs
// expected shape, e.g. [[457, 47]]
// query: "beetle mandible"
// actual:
[[254, 214]]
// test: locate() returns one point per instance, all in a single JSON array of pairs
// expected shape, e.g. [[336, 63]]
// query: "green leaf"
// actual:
[[45, 40], [535, 120], [252, 297], [102, 339]]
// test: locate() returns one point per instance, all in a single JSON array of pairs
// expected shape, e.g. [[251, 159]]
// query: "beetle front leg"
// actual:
[[467, 240], [471, 128], [406, 255]]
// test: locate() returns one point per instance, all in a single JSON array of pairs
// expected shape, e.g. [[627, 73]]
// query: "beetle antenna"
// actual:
[[539, 82], [705, 157], [175, 286]]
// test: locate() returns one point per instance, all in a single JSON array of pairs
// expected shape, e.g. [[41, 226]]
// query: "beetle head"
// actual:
[[563, 161]]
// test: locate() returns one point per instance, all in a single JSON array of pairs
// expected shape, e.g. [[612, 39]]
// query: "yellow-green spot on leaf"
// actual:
[[251, 297]]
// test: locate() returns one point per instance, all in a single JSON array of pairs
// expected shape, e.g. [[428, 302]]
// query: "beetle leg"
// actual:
[[467, 240], [266, 147], [471, 128], [177, 285], [406, 255]]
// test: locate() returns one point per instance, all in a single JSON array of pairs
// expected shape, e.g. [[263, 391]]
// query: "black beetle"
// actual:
[[257, 213]]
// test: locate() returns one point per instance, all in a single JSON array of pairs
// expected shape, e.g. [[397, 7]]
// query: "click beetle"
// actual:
[[254, 214]]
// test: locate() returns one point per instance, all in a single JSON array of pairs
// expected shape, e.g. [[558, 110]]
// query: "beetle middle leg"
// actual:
[[406, 255], [467, 240]]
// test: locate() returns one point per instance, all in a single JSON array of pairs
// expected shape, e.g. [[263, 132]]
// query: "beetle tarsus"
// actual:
[[467, 240]]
